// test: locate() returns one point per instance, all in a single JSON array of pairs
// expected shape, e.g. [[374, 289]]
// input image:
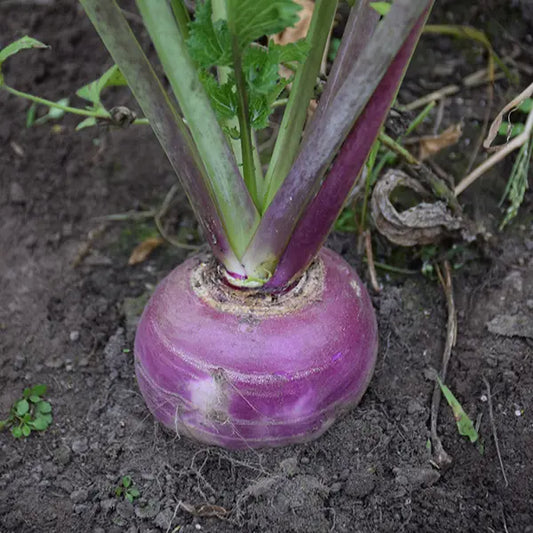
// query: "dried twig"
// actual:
[[370, 262], [494, 434], [516, 143], [440, 457], [158, 221]]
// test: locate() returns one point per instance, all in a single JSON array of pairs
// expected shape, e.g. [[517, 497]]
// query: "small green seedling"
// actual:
[[464, 424], [127, 489], [29, 413]]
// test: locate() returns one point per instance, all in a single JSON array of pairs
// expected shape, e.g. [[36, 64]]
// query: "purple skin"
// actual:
[[234, 379]]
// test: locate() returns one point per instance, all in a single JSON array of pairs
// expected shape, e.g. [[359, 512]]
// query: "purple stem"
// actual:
[[318, 150], [320, 215], [360, 26]]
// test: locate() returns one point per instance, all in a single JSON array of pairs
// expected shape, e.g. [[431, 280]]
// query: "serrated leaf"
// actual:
[[209, 42], [260, 69], [296, 51], [252, 19], [112, 77], [381, 7], [223, 97], [22, 407], [86, 123], [39, 390], [23, 43], [464, 424]]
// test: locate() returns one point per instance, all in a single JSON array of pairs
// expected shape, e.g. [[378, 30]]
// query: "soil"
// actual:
[[70, 302]]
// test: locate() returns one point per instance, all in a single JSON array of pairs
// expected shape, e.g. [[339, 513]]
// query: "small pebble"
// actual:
[[80, 446], [79, 496], [74, 336], [16, 194], [305, 460], [336, 487]]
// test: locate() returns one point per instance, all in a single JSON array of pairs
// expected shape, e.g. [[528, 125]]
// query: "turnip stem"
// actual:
[[293, 121], [182, 16], [234, 203], [168, 126]]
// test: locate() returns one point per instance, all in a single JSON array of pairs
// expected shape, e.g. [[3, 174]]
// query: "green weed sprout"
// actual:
[[127, 489], [29, 413]]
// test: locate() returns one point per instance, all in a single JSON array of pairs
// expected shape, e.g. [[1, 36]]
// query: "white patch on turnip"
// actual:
[[355, 286]]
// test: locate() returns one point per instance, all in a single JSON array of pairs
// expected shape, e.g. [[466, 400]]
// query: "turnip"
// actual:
[[268, 339]]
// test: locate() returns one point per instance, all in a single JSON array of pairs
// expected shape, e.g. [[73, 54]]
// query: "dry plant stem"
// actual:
[[516, 143], [494, 434], [158, 221], [438, 186], [370, 262], [440, 457], [484, 127], [480, 77]]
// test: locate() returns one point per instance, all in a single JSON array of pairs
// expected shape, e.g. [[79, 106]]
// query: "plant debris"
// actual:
[[424, 223]]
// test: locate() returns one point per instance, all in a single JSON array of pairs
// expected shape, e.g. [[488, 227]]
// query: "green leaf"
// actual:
[[26, 430], [126, 481], [526, 106], [112, 77], [223, 97], [381, 7], [30, 119], [209, 42], [39, 390], [134, 492], [252, 19], [129, 497], [44, 407], [21, 44], [16, 432], [54, 113], [511, 130], [86, 123], [35, 399], [22, 407], [296, 51], [3, 424], [27, 392], [260, 69], [464, 424], [40, 423]]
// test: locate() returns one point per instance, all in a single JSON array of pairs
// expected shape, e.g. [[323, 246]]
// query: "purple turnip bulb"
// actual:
[[248, 369]]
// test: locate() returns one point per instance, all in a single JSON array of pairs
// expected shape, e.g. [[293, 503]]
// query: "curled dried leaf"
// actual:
[[495, 126], [424, 223], [142, 251]]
